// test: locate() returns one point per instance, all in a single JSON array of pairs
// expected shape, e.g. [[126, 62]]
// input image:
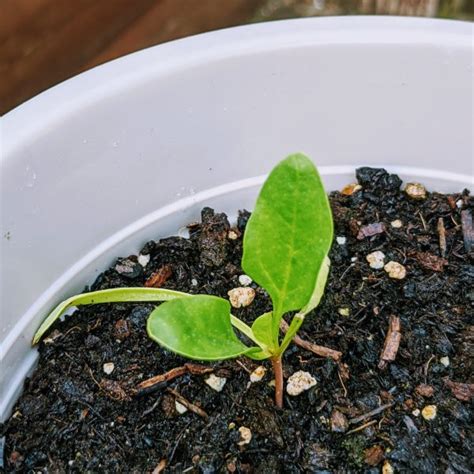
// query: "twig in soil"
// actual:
[[342, 383], [309, 346], [426, 367], [392, 342], [93, 378], [425, 228], [177, 443], [98, 415], [442, 237], [345, 271], [237, 361], [361, 427], [237, 400], [387, 439], [454, 221], [467, 229], [190, 406], [152, 408], [159, 381], [160, 467], [369, 414], [74, 328], [120, 449]]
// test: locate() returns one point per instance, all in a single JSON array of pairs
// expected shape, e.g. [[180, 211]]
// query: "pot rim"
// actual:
[[41, 112]]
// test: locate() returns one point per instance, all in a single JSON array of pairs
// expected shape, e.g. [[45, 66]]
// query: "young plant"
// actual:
[[286, 245]]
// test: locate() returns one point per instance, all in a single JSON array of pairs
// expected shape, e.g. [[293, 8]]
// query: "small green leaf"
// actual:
[[288, 235], [262, 330], [198, 327], [258, 354], [298, 319], [319, 287], [115, 295]]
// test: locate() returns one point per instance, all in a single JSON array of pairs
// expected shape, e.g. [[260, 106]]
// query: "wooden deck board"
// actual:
[[43, 42]]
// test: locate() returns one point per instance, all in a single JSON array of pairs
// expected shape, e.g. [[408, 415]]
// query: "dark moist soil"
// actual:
[[73, 417]]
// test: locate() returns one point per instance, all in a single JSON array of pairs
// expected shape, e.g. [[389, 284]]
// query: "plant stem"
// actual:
[[278, 371]]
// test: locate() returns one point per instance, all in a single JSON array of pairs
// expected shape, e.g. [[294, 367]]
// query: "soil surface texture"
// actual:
[[399, 400]]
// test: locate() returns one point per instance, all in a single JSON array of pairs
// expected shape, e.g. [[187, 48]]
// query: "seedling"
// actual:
[[286, 245]]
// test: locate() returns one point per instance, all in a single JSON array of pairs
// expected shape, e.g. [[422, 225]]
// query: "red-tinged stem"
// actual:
[[278, 371]]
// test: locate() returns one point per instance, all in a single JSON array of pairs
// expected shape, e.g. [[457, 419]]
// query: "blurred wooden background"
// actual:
[[43, 42]]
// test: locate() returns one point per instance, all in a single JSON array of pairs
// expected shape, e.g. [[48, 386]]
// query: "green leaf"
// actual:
[[318, 292], [115, 295], [262, 330], [288, 235], [258, 354], [198, 327]]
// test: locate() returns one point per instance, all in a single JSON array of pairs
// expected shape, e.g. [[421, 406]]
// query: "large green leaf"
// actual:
[[288, 235], [198, 327], [114, 295]]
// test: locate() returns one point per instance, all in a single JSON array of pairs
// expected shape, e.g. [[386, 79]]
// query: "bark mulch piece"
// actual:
[[72, 417]]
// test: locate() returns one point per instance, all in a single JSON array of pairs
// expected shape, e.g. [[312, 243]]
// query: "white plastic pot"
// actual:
[[131, 150]]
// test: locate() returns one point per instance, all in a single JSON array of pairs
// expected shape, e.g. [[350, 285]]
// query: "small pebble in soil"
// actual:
[[350, 189], [339, 423], [416, 412], [396, 224], [194, 282], [241, 297], [258, 374], [245, 280], [341, 240], [215, 382], [415, 190], [108, 367], [387, 468], [429, 412], [370, 230], [424, 390], [395, 270], [128, 268], [232, 234], [410, 425], [376, 259], [143, 259], [245, 436], [373, 455], [444, 361], [344, 311], [180, 408], [299, 382], [121, 329]]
